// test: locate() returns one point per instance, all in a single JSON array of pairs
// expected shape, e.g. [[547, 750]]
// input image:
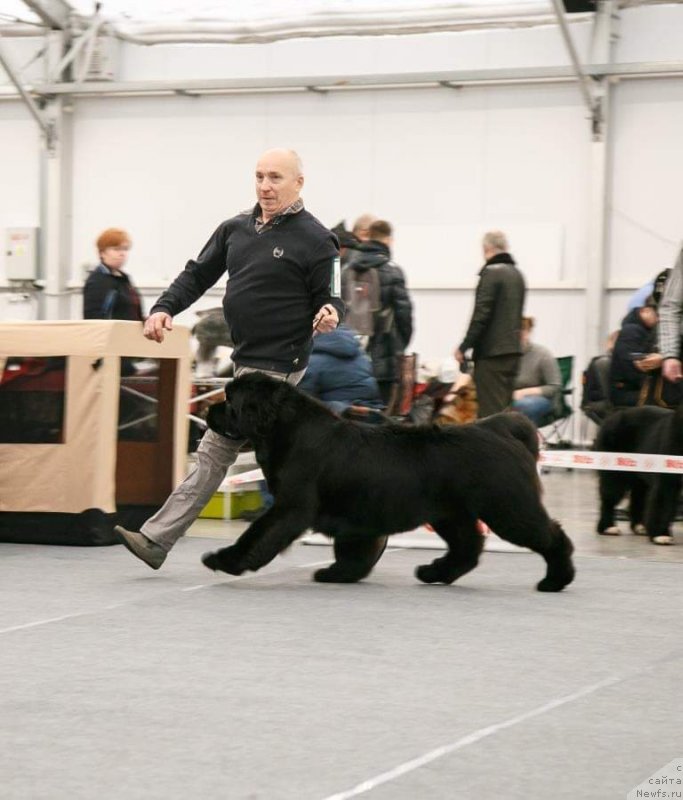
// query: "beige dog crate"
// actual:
[[93, 427]]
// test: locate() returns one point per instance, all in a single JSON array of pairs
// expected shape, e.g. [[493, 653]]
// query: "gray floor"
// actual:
[[118, 682]]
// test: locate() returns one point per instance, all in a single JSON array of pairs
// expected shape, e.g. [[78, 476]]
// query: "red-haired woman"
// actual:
[[108, 292]]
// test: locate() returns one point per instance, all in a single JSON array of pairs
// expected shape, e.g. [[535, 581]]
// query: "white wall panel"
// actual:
[[441, 165], [647, 219], [19, 172], [651, 33], [168, 172]]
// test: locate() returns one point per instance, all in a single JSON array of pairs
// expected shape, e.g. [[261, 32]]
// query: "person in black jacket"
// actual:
[[393, 321], [283, 284], [494, 332], [109, 292], [634, 355]]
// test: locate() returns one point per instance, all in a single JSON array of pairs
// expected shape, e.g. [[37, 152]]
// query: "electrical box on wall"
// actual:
[[21, 254], [101, 62]]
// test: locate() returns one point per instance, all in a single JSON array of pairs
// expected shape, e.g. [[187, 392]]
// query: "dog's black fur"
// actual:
[[516, 425], [359, 484], [653, 496]]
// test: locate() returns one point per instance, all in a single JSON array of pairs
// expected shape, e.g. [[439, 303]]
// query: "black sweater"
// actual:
[[277, 281]]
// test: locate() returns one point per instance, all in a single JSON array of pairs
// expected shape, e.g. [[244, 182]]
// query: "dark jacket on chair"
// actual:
[[339, 373]]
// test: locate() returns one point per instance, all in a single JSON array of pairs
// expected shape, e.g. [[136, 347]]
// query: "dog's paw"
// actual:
[[548, 585], [555, 584], [223, 561], [333, 575], [431, 573]]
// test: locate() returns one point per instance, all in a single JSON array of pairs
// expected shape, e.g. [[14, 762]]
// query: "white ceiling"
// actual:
[[255, 14], [246, 10], [234, 10]]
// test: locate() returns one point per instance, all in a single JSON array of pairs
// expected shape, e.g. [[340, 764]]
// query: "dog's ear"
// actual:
[[255, 414], [215, 418], [275, 406], [286, 401], [221, 419]]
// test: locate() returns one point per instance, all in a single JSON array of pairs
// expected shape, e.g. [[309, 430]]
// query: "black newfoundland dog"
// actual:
[[653, 497], [358, 484]]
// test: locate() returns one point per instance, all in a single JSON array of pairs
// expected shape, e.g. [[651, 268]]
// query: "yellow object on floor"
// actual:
[[251, 500], [230, 505], [216, 507]]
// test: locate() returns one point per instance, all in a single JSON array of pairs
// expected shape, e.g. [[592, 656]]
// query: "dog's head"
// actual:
[[256, 404]]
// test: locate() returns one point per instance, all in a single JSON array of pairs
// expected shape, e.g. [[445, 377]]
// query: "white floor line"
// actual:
[[44, 622], [483, 733], [256, 575], [77, 614]]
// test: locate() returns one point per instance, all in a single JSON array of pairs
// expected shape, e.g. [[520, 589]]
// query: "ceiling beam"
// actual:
[[584, 81], [33, 109], [452, 79], [56, 14]]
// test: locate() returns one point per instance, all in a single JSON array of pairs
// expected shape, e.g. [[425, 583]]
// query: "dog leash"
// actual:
[[325, 311]]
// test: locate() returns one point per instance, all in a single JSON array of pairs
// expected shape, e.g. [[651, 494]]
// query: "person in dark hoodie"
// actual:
[[339, 372], [634, 355], [494, 331], [381, 284]]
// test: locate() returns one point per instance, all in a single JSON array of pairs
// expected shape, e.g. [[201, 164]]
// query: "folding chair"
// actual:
[[561, 418]]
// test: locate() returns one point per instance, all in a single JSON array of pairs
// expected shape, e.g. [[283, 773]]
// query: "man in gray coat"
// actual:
[[494, 332]]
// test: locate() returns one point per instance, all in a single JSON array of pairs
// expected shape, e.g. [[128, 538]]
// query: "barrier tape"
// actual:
[[569, 459], [617, 462], [246, 477]]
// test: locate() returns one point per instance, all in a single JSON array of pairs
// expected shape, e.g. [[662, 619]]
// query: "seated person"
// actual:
[[595, 402], [634, 355], [538, 384], [339, 373]]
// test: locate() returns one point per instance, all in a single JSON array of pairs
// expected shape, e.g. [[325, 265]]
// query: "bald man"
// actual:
[[283, 284]]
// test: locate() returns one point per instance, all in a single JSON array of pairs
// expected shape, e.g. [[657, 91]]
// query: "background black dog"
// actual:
[[359, 483], [654, 497]]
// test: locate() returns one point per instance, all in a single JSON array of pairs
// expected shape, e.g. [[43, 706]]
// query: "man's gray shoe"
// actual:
[[139, 545]]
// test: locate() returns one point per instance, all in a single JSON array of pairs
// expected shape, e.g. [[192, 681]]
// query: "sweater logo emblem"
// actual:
[[278, 252]]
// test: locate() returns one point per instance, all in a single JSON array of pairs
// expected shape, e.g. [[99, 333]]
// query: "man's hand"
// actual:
[[459, 355], [155, 325], [649, 363], [671, 370], [326, 319]]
